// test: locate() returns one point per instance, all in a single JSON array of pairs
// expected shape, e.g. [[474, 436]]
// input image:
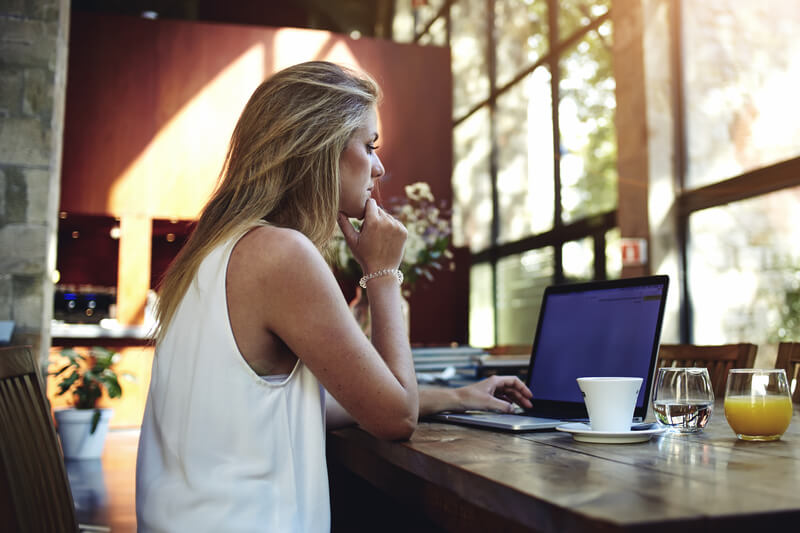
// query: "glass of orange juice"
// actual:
[[757, 403]]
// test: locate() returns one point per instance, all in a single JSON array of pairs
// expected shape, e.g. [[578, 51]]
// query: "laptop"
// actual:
[[606, 328]]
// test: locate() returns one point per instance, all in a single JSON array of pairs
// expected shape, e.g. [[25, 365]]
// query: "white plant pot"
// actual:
[[74, 427]]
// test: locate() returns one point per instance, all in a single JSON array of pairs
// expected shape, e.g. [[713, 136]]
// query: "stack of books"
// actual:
[[460, 361], [506, 364]]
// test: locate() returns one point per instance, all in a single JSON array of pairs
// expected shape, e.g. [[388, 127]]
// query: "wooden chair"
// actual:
[[717, 359], [35, 495], [789, 360]]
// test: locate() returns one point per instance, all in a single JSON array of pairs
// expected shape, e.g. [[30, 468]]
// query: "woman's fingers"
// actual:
[[370, 210], [381, 240], [500, 405], [349, 232], [515, 397], [512, 389]]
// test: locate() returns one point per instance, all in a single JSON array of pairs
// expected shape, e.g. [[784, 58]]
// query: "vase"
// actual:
[[74, 427], [359, 306]]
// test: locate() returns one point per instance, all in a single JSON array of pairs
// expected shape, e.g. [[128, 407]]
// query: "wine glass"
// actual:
[[758, 405], [683, 399]]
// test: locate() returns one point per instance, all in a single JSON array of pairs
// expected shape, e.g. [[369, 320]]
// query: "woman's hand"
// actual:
[[379, 245], [495, 393]]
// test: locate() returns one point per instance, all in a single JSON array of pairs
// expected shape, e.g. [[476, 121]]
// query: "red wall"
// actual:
[[151, 105], [88, 254]]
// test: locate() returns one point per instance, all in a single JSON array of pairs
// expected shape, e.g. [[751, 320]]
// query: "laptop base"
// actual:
[[504, 421]]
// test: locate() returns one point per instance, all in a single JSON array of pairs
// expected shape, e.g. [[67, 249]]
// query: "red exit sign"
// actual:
[[634, 251]]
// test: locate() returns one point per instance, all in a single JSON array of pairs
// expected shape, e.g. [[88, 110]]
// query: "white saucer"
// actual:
[[583, 433]]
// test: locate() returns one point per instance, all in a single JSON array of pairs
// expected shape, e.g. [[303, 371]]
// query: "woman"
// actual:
[[253, 328]]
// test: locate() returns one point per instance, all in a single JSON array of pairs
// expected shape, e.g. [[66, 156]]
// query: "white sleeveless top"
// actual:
[[222, 449]]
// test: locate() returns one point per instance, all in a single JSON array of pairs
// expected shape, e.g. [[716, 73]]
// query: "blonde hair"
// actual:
[[282, 166]]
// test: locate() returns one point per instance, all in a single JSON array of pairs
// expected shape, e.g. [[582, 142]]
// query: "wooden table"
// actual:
[[452, 478]]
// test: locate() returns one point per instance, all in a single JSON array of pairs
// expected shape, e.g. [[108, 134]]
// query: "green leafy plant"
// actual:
[[85, 377]]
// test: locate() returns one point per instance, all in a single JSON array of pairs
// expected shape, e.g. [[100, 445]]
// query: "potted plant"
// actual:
[[83, 427]]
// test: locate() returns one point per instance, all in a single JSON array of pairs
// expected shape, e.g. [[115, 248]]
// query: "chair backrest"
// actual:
[[35, 495], [717, 359], [789, 360]]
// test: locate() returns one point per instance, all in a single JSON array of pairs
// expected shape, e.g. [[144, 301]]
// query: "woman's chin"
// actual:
[[353, 213]]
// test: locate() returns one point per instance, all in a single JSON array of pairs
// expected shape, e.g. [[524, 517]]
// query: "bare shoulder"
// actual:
[[275, 240], [273, 251]]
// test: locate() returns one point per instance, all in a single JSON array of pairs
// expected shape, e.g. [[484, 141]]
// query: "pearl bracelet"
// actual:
[[385, 272]]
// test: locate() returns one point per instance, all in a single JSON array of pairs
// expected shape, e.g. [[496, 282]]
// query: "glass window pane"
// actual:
[[468, 42], [588, 137], [742, 74], [403, 22], [521, 281], [436, 34], [744, 270], [613, 254], [472, 187], [525, 158], [577, 259], [481, 310], [425, 13], [521, 36], [575, 14]]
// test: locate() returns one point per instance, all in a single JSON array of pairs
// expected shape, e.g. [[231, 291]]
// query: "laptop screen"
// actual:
[[607, 328]]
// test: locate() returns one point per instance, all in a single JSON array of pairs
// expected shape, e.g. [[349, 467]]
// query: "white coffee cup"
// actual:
[[610, 402]]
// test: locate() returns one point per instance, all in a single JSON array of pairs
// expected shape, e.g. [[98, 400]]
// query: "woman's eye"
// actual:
[[371, 148]]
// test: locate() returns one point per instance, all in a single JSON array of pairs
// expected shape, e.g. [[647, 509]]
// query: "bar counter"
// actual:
[[65, 335]]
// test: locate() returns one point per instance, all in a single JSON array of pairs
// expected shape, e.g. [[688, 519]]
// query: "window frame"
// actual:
[[763, 180], [595, 226]]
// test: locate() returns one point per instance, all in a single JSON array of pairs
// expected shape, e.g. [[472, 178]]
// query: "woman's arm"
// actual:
[[495, 393], [335, 415], [375, 384], [378, 246], [280, 284]]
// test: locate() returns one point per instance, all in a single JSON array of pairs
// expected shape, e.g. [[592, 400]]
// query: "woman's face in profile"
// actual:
[[359, 167]]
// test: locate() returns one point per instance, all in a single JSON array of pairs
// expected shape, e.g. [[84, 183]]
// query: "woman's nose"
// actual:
[[377, 168]]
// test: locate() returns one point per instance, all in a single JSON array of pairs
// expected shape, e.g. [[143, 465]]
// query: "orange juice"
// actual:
[[758, 416]]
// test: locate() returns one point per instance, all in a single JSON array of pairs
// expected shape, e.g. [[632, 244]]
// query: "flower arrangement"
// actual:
[[427, 246]]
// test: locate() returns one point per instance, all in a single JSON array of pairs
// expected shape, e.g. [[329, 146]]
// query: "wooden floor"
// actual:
[[105, 490]]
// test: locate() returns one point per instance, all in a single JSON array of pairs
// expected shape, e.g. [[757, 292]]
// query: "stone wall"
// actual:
[[33, 63]]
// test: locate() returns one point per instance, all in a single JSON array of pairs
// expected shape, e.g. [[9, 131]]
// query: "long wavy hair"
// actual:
[[282, 166]]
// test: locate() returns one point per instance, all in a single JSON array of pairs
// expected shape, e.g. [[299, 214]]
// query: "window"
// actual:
[[521, 36], [534, 175], [740, 189], [525, 185], [521, 280], [472, 187], [588, 137], [742, 73], [469, 26], [751, 245]]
